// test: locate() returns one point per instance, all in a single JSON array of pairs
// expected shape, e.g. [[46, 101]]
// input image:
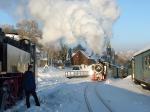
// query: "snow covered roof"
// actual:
[[141, 51], [81, 52], [85, 54], [13, 35]]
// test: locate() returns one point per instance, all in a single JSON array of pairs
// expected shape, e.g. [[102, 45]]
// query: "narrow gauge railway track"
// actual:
[[101, 101], [89, 107]]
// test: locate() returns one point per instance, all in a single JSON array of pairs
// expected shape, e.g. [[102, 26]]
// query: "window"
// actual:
[[145, 60], [146, 64]]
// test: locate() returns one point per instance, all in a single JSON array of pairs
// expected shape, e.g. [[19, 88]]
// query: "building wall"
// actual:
[[79, 58]]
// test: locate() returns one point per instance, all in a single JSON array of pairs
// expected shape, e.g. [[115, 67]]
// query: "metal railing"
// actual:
[[76, 73]]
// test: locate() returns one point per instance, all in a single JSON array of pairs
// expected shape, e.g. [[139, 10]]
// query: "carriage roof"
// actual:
[[142, 51]]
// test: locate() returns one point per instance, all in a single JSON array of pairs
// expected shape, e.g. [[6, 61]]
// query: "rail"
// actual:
[[89, 107], [101, 99], [99, 105]]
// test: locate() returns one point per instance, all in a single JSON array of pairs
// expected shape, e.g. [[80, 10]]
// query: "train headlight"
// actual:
[[91, 72]]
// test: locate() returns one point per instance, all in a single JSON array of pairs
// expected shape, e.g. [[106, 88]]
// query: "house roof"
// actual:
[[85, 54]]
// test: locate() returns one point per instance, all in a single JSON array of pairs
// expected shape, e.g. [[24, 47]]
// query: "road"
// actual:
[[93, 99], [59, 94]]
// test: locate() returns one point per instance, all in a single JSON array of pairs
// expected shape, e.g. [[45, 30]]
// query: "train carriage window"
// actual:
[[149, 62], [149, 59], [145, 60]]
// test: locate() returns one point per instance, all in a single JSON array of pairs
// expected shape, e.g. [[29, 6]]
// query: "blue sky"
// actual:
[[131, 30], [5, 18]]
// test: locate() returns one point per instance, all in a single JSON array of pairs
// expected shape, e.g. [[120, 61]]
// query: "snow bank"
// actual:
[[59, 94], [127, 84], [122, 95]]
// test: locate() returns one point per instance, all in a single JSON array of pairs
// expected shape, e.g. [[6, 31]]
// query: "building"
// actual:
[[80, 57]]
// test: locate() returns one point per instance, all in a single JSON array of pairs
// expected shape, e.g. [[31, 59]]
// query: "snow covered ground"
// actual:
[[59, 94]]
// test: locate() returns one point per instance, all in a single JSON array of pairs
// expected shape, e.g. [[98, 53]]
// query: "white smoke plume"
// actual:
[[86, 22], [77, 21]]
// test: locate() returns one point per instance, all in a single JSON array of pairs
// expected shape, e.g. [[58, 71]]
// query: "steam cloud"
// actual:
[[86, 22], [77, 21]]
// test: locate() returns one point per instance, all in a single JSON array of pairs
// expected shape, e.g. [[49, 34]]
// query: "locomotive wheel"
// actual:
[[7, 98], [4, 100]]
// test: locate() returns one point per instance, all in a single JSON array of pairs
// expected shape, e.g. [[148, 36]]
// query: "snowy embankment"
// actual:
[[56, 93], [59, 94], [122, 95]]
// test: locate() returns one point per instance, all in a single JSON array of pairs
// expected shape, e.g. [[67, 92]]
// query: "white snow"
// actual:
[[59, 94], [125, 96]]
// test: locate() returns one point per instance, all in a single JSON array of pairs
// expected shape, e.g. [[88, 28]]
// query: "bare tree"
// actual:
[[63, 53], [29, 29], [8, 28]]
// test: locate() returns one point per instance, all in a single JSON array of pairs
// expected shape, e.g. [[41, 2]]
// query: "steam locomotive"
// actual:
[[15, 55], [99, 71]]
